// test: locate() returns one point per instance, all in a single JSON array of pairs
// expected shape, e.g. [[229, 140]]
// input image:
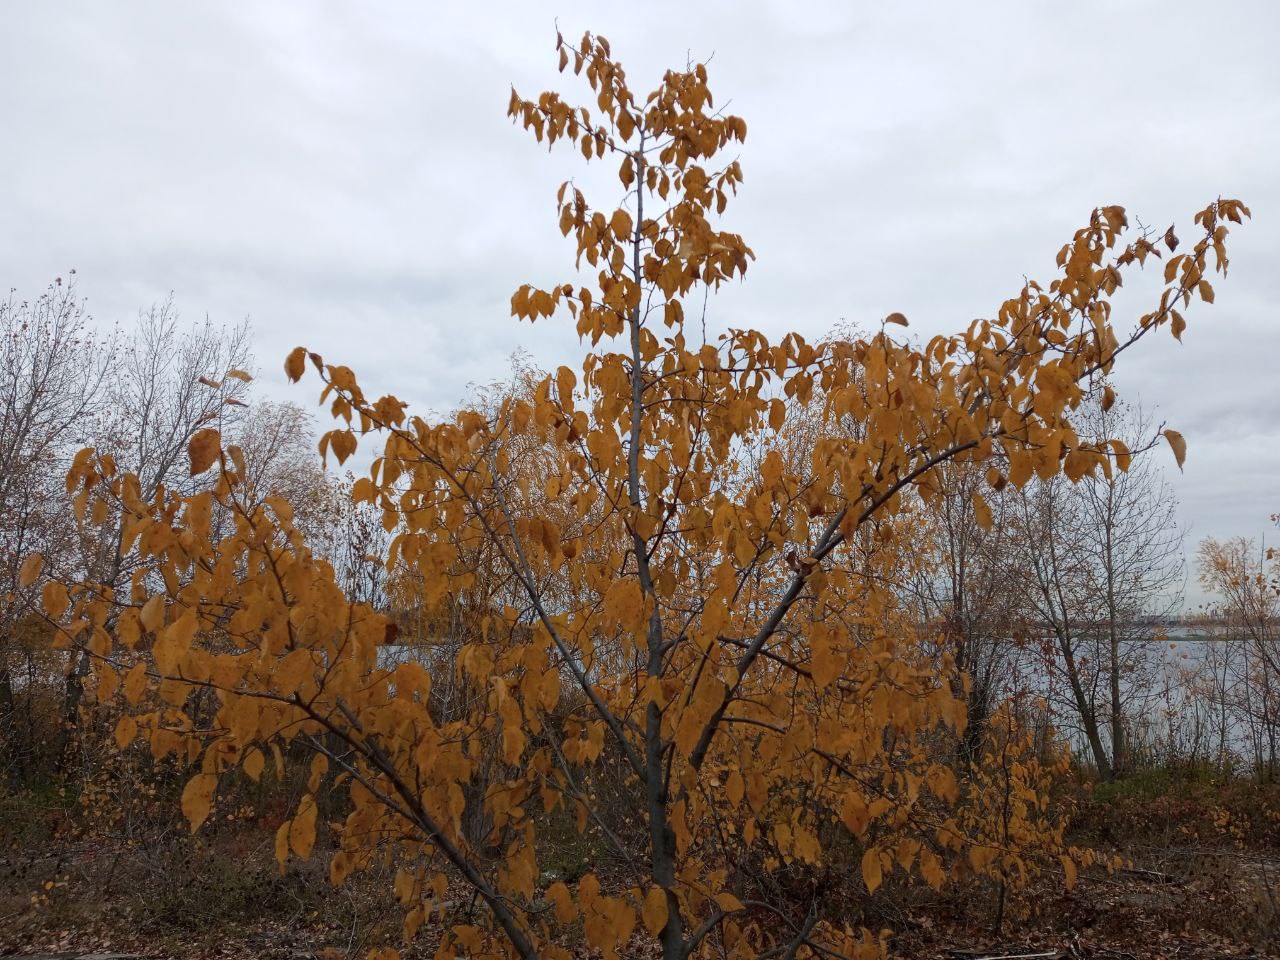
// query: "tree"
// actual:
[[1136, 549], [1242, 576], [278, 442], [969, 589], [1102, 558], [52, 374], [717, 637], [169, 385]]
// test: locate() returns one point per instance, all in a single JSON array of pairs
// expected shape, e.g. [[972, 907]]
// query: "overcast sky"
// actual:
[[344, 175]]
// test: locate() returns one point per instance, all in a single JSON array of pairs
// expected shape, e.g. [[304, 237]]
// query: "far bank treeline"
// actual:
[[773, 621]]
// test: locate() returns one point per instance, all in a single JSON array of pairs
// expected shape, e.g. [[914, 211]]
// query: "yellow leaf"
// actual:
[[1069, 868], [565, 382], [620, 224], [340, 867], [871, 872], [559, 895], [728, 902], [905, 852], [319, 767], [163, 742], [302, 832], [240, 375], [296, 364], [1178, 444], [980, 857], [734, 788], [253, 764], [135, 682], [341, 442], [126, 730], [854, 812], [981, 512], [173, 643], [277, 761], [931, 869], [1019, 468], [203, 450], [404, 886], [292, 671], [152, 615], [30, 569], [897, 318], [129, 628], [56, 600], [777, 414], [1123, 456], [108, 683], [654, 911], [197, 798]]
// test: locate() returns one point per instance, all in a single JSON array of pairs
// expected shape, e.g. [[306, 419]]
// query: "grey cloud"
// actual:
[[345, 176]]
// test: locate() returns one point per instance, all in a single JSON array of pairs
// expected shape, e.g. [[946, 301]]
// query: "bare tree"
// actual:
[[1059, 587], [52, 376], [278, 441], [1136, 550], [1103, 565], [51, 369], [966, 587], [1239, 573], [158, 398], [170, 381]]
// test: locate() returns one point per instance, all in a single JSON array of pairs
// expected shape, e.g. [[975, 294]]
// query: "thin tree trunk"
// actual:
[[662, 841], [1088, 715], [1117, 718], [73, 693], [11, 752]]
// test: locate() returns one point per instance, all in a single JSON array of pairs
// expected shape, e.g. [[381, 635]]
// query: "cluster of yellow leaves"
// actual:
[[678, 563]]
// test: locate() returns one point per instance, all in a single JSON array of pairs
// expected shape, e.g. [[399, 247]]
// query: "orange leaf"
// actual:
[[253, 763], [30, 569], [126, 730], [871, 871], [654, 911], [197, 798], [734, 788], [302, 832], [296, 364], [981, 512], [203, 450], [728, 902], [56, 600], [1178, 445]]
